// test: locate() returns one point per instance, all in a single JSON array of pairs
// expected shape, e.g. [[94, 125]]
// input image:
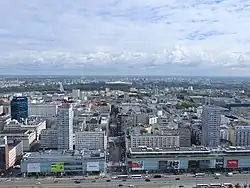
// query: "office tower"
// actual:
[[210, 121], [64, 123], [19, 108]]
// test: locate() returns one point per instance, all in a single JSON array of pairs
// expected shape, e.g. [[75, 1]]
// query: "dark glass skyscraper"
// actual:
[[19, 108]]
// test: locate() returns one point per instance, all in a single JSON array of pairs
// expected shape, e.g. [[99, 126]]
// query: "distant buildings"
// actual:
[[19, 108], [64, 123], [211, 119]]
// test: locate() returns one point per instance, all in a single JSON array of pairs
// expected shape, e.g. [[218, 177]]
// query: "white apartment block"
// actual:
[[43, 110], [242, 135], [90, 140], [224, 132], [210, 122], [64, 125], [49, 139], [159, 141]]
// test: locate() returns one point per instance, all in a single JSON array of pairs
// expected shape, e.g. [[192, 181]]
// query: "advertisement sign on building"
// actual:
[[137, 165], [33, 167], [169, 165], [57, 167], [93, 166], [232, 164]]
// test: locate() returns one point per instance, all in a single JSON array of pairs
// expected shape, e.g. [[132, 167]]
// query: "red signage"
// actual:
[[232, 163], [137, 165]]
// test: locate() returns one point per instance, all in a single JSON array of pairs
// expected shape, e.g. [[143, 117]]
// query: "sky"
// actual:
[[125, 37]]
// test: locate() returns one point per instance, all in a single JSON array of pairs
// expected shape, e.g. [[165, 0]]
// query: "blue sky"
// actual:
[[167, 37]]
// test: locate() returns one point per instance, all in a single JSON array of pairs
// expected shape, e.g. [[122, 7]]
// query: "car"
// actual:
[[147, 180], [124, 180], [180, 186], [131, 186], [120, 185], [157, 176], [93, 180], [108, 180], [77, 181], [55, 181], [38, 183], [177, 178]]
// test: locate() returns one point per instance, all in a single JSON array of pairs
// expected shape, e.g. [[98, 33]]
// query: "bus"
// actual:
[[122, 177], [138, 176], [200, 175]]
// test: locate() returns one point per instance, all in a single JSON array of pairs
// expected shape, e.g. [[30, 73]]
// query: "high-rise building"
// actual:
[[210, 120], [19, 108], [64, 123]]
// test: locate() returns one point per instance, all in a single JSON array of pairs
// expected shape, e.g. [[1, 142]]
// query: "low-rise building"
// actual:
[[28, 137], [161, 141], [54, 162]]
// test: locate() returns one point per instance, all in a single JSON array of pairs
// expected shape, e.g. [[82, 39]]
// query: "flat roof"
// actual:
[[170, 150], [55, 154], [14, 144], [189, 150]]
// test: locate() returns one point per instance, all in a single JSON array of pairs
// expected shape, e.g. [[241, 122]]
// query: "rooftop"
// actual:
[[190, 150], [50, 154], [170, 150]]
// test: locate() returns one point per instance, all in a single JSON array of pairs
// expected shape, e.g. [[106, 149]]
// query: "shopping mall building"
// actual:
[[191, 159], [63, 162]]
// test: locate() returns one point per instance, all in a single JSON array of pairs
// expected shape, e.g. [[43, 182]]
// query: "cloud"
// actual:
[[124, 36]]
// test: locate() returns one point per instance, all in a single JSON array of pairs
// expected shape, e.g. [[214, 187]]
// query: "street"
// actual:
[[185, 181]]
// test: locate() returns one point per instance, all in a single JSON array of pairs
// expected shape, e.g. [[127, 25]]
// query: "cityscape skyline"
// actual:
[[125, 37]]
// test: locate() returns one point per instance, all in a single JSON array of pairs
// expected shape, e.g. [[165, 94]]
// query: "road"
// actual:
[[170, 182]]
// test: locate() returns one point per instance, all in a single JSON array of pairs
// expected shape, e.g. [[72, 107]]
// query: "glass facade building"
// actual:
[[19, 108]]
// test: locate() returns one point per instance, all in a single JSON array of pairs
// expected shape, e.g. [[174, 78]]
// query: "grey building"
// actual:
[[185, 136], [210, 122], [64, 123]]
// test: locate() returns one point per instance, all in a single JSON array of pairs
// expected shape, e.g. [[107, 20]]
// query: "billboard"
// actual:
[[232, 164], [33, 167], [93, 167], [137, 165], [169, 165], [57, 167]]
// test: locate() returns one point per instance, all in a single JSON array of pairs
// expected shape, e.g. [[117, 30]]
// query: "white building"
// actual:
[[160, 141], [210, 122], [64, 125], [49, 139], [224, 132], [43, 110], [242, 135], [90, 140]]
